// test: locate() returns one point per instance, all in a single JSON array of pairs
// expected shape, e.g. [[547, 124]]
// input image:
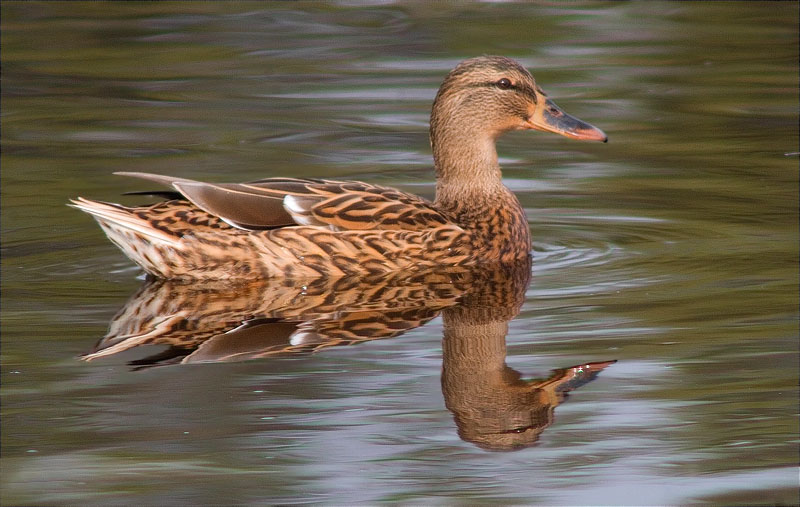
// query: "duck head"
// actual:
[[495, 94]]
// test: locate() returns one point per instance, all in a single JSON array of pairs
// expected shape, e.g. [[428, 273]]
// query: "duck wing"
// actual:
[[279, 202]]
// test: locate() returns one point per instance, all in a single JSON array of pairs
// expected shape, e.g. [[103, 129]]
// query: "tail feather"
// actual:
[[155, 250], [118, 216]]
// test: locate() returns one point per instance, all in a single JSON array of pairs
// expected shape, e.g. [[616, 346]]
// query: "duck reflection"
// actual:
[[215, 322]]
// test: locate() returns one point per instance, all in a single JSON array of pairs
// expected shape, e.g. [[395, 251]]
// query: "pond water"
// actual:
[[672, 250]]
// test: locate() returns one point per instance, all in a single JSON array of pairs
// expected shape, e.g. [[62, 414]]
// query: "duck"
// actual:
[[302, 228]]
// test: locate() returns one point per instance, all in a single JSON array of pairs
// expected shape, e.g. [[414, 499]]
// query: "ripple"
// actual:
[[361, 95], [548, 257]]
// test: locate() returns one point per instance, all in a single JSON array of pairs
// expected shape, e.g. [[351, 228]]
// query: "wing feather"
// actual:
[[279, 202]]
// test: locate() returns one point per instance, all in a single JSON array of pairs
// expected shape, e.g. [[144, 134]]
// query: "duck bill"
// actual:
[[551, 118]]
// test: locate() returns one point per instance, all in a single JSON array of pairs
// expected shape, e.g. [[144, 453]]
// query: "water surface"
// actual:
[[672, 250]]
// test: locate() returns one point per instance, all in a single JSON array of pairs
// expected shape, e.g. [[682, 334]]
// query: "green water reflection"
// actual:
[[672, 249]]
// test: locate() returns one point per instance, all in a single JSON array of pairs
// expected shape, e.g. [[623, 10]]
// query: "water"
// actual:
[[672, 250]]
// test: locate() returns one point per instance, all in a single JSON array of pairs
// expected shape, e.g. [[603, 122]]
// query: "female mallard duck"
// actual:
[[309, 228]]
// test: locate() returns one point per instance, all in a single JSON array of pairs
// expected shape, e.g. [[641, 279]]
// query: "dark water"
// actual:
[[673, 250]]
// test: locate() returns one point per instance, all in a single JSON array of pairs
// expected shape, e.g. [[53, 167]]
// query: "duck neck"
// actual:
[[467, 170], [470, 189]]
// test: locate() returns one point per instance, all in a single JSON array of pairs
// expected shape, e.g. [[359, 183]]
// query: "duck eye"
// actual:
[[504, 84]]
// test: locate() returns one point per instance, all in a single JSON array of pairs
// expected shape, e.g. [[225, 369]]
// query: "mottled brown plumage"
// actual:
[[305, 228]]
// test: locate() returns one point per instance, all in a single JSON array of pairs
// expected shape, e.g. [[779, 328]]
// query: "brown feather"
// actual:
[[237, 205]]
